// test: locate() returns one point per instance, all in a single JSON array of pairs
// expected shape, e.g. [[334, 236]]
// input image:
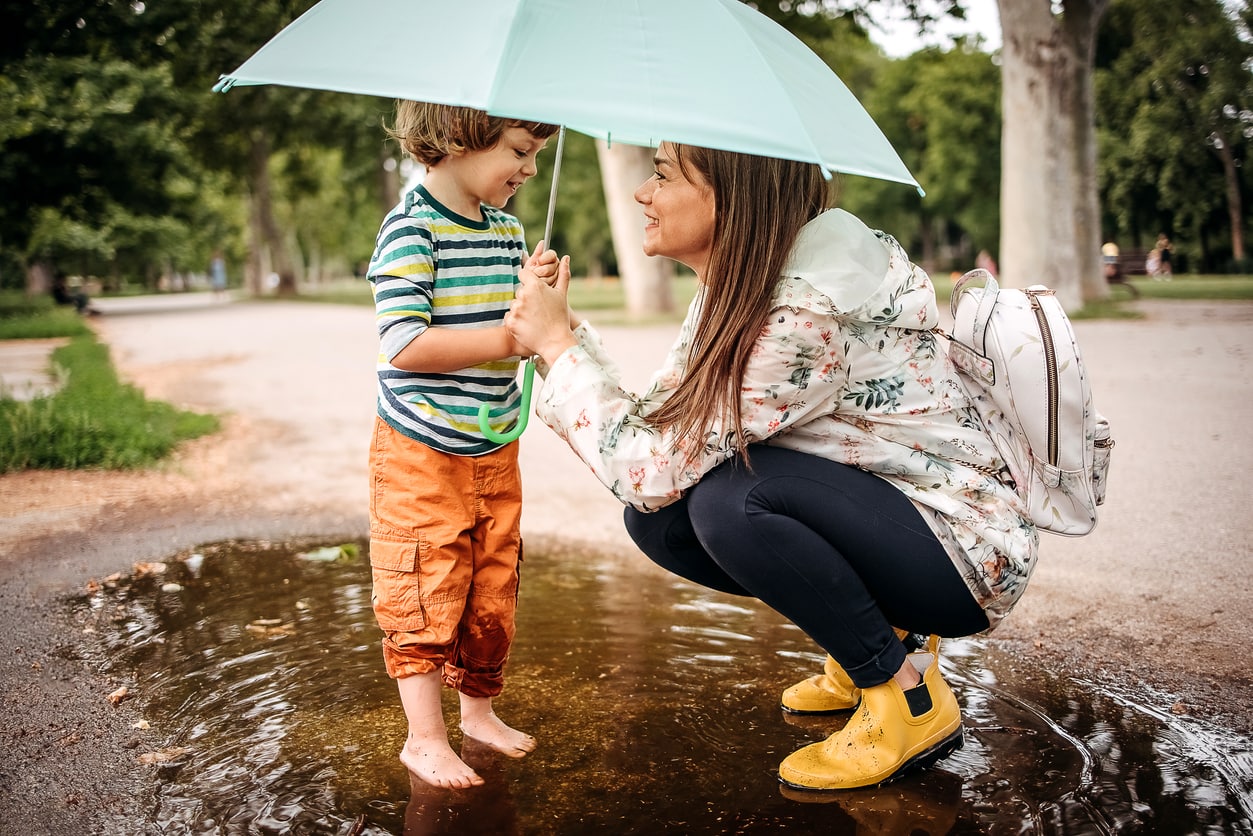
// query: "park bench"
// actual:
[[1131, 262]]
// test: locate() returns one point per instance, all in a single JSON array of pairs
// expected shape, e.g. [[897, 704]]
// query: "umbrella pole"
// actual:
[[552, 191], [528, 371]]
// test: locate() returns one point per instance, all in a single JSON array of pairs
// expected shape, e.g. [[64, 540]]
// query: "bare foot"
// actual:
[[488, 729], [435, 762]]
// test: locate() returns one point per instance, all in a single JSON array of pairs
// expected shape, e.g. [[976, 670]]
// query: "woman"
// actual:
[[806, 443]]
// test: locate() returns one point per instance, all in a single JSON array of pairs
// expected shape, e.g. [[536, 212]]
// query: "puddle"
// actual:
[[655, 703]]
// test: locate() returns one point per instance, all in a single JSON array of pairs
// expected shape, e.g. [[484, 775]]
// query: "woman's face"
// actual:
[[678, 212]]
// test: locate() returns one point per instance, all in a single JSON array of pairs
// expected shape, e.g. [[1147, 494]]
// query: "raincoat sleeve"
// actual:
[[796, 371]]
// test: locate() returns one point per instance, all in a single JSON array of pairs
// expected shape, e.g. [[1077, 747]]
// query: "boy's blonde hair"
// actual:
[[429, 132]]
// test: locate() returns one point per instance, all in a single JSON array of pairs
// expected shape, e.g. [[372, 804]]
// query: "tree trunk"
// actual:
[[263, 215], [1235, 207], [926, 238], [645, 281], [1079, 25], [1050, 232], [38, 278]]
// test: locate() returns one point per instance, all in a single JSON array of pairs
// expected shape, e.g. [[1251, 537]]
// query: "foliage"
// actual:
[[90, 165], [117, 160], [94, 420], [1175, 96], [941, 111]]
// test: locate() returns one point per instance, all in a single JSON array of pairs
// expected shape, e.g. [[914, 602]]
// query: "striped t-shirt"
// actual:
[[433, 267]]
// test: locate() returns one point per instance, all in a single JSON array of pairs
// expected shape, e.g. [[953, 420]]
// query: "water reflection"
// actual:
[[655, 704]]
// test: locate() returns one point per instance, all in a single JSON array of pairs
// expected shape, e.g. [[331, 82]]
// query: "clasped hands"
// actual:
[[539, 320]]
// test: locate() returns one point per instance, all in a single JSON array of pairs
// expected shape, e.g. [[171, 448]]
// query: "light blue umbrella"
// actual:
[[713, 73]]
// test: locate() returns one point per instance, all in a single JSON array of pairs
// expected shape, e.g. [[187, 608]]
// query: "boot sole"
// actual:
[[918, 762], [821, 712]]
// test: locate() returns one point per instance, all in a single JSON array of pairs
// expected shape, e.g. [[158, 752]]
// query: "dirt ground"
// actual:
[[1155, 602]]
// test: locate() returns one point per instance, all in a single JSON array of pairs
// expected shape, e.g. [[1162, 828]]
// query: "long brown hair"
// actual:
[[760, 205]]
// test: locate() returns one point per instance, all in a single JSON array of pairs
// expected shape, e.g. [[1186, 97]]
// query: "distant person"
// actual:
[[1112, 267], [985, 261], [1109, 256], [1164, 270], [446, 501], [69, 291], [1153, 263], [217, 274]]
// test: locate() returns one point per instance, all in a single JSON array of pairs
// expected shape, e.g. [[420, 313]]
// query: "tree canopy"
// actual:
[[117, 160]]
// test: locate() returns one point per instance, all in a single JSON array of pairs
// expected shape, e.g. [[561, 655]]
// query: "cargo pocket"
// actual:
[[397, 592]]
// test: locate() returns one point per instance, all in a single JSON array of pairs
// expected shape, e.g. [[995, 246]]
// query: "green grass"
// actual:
[[25, 318], [93, 421], [1189, 286]]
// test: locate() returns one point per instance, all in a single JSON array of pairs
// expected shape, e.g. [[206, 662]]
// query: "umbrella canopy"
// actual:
[[713, 73]]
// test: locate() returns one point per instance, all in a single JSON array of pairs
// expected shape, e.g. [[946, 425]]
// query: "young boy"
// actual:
[[445, 502]]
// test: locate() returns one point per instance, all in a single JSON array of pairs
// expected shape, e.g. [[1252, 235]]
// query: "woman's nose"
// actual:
[[644, 193]]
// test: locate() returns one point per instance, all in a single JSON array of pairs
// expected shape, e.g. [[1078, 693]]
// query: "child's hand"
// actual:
[[542, 264]]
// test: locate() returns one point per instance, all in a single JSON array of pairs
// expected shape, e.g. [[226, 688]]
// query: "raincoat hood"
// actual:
[[865, 274]]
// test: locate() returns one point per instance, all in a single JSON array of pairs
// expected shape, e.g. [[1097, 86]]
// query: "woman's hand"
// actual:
[[539, 317]]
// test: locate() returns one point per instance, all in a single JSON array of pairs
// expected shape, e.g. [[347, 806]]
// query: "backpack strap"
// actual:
[[969, 281]]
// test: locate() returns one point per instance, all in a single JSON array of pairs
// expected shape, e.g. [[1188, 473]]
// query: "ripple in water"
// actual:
[[655, 703]]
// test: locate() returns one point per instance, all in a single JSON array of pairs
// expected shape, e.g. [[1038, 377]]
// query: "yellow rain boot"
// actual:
[[891, 732], [828, 692], [832, 690]]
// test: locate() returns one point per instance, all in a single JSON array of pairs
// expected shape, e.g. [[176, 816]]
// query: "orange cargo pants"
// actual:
[[444, 552]]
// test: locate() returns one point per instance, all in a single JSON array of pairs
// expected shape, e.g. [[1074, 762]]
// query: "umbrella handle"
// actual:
[[528, 375]]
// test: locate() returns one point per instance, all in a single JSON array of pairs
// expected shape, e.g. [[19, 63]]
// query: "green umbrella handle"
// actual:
[[528, 374]]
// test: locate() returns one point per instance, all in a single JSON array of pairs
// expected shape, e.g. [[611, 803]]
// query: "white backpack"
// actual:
[[1018, 358]]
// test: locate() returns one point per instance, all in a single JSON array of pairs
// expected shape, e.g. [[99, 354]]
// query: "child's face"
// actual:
[[494, 175]]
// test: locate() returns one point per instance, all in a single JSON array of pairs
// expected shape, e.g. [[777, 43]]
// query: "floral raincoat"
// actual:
[[847, 366]]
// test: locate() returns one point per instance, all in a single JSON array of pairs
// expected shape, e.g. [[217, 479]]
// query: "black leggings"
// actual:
[[839, 552]]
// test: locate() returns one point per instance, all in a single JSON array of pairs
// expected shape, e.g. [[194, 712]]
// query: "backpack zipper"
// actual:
[[1050, 369]]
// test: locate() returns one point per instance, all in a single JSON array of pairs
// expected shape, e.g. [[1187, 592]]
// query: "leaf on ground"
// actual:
[[345, 553], [120, 694], [143, 570], [162, 755], [270, 627]]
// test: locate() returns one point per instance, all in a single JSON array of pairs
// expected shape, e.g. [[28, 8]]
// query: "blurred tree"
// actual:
[[1176, 116], [92, 163], [116, 154], [941, 110], [1050, 217]]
